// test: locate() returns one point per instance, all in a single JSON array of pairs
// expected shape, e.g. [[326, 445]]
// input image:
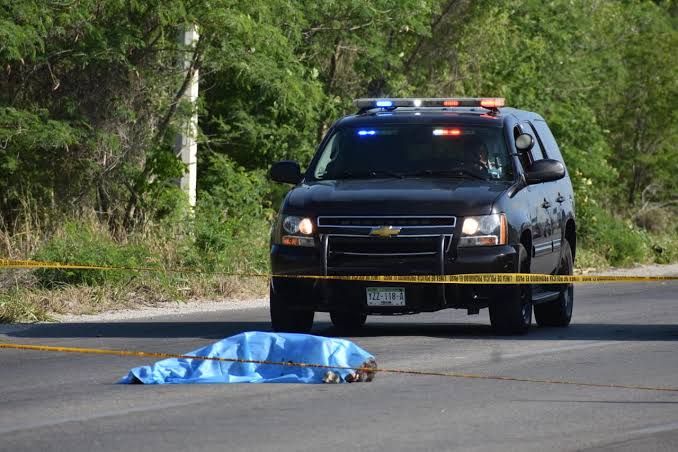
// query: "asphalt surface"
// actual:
[[624, 333]]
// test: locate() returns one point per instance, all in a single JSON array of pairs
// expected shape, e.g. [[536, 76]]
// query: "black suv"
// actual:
[[425, 187]]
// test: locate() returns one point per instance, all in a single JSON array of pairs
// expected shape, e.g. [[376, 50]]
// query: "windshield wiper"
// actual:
[[455, 172], [369, 174]]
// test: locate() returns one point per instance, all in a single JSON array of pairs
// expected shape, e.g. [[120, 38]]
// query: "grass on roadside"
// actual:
[[29, 296], [36, 304]]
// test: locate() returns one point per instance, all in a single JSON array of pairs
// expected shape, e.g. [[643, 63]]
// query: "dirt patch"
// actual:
[[164, 309], [640, 270]]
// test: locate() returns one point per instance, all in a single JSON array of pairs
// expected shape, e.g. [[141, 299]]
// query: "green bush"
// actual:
[[665, 248], [619, 241], [232, 220], [227, 232], [84, 243]]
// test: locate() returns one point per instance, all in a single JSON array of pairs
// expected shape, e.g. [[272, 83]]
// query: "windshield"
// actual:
[[415, 151]]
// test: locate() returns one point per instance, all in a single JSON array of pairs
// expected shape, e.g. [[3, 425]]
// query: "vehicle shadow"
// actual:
[[575, 332], [598, 401], [218, 330]]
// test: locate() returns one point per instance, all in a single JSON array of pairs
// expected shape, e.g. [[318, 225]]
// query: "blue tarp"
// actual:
[[256, 345]]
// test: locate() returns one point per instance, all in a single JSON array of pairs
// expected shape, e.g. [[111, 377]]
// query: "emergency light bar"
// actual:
[[491, 103]]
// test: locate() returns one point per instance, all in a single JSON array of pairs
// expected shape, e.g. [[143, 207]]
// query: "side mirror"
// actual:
[[524, 142], [546, 170], [287, 172]]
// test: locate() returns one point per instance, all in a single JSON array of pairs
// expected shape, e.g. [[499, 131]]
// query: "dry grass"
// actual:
[[25, 234], [25, 302]]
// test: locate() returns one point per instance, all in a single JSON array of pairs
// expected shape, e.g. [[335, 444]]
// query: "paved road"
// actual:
[[621, 334]]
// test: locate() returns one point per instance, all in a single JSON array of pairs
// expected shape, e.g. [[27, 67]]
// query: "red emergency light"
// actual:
[[446, 132]]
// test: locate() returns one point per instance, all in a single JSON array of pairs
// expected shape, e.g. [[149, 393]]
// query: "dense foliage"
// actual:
[[91, 99]]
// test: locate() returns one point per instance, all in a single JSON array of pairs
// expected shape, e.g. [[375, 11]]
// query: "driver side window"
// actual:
[[525, 158], [534, 154]]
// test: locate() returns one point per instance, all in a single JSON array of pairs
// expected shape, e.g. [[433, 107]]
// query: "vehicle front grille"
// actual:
[[401, 255], [373, 246], [419, 245]]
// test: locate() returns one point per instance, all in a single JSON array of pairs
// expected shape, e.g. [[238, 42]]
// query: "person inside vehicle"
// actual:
[[482, 157], [487, 165], [476, 156]]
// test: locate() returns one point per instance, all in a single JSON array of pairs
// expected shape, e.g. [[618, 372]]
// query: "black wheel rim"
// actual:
[[525, 304], [567, 300], [568, 294]]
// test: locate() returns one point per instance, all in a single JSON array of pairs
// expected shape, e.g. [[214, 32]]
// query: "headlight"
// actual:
[[300, 230], [297, 225], [486, 230]]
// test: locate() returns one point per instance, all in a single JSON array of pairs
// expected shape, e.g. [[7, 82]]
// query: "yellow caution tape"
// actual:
[[30, 264], [98, 351], [471, 278], [489, 278]]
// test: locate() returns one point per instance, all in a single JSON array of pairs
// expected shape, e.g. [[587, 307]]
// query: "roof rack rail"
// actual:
[[391, 103]]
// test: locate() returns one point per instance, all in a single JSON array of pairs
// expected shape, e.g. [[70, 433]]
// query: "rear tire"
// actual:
[[347, 321], [286, 320], [559, 312], [513, 314]]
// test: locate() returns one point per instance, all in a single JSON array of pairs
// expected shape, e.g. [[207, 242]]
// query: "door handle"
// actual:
[[560, 198], [546, 204]]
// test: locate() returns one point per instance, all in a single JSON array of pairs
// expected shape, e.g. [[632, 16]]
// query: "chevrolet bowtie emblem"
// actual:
[[385, 231]]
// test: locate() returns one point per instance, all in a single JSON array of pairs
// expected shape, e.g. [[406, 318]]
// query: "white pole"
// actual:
[[186, 144]]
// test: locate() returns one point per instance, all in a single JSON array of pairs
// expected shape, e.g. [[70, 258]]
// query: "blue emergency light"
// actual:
[[384, 103], [362, 133]]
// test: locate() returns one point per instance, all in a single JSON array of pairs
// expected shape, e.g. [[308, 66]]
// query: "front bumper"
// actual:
[[350, 296]]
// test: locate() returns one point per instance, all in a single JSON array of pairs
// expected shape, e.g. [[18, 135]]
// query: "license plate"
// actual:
[[385, 296]]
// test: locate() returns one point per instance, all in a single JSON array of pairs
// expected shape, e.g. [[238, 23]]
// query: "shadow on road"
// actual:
[[218, 330], [586, 331], [613, 402]]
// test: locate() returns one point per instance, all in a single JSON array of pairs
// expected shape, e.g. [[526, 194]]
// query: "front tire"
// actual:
[[559, 312], [286, 320], [513, 314], [347, 321]]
